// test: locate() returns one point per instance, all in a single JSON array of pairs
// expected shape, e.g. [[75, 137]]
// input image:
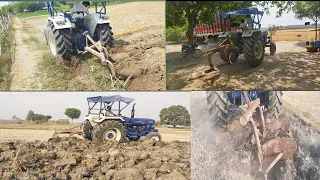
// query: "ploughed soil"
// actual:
[[73, 158]]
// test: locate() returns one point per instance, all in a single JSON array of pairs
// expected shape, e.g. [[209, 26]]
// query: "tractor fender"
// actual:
[[61, 22], [250, 33], [92, 20], [223, 35], [108, 119]]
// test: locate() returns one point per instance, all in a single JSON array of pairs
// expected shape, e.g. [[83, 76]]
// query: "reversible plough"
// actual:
[[274, 142]]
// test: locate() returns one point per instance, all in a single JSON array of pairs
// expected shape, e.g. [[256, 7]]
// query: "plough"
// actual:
[[274, 143], [102, 53], [71, 132]]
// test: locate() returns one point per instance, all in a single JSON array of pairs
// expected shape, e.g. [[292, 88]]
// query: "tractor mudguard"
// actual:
[[107, 119], [223, 35], [250, 32], [92, 20], [61, 22]]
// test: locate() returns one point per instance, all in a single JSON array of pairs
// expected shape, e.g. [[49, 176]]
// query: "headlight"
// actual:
[[60, 23]]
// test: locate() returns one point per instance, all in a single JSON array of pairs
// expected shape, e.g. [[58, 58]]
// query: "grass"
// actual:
[[6, 58], [76, 74], [63, 9]]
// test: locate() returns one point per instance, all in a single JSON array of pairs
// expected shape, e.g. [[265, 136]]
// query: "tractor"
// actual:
[[103, 123], [263, 110], [248, 39], [65, 31], [76, 32]]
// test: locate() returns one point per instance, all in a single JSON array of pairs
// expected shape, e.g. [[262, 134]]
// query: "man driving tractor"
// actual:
[[77, 7]]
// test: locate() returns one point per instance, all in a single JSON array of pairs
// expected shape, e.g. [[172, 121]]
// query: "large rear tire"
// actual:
[[254, 49], [87, 129], [105, 34], [109, 130], [59, 42], [219, 107], [274, 105]]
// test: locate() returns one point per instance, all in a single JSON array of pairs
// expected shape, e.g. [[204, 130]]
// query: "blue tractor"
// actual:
[[248, 39], [223, 106], [103, 123], [67, 32]]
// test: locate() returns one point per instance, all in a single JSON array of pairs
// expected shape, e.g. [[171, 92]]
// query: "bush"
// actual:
[[176, 33], [62, 121]]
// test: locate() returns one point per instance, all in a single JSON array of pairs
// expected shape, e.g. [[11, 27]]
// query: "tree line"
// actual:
[[193, 13]]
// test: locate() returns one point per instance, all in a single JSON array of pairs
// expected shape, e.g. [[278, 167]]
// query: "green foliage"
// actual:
[[20, 7], [7, 52], [72, 113], [175, 115], [272, 29], [175, 33], [31, 116], [198, 12]]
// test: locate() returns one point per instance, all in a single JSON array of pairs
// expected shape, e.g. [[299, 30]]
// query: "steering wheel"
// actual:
[[133, 111]]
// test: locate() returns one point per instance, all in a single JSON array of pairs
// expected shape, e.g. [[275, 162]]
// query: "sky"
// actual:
[[284, 20], [148, 104]]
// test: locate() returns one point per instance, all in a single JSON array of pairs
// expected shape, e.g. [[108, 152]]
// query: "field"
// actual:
[[31, 131], [27, 150], [292, 68], [212, 146], [139, 43], [302, 35]]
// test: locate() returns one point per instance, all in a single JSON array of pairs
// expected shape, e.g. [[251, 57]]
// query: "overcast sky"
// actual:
[[148, 104]]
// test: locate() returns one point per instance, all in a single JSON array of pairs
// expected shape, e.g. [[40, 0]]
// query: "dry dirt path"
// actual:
[[292, 68], [25, 60]]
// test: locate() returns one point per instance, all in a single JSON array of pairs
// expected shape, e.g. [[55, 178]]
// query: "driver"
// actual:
[[77, 7]]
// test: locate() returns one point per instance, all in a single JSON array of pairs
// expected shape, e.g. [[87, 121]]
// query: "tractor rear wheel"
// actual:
[[109, 130], [105, 34], [154, 136], [254, 49], [273, 49], [274, 105], [59, 41], [87, 129], [219, 107]]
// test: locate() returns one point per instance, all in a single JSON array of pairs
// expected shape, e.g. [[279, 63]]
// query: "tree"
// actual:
[[272, 29], [30, 115], [48, 117], [308, 9], [175, 115], [72, 113], [196, 12]]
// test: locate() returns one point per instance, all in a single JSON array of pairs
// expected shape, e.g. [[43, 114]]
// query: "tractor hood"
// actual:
[[245, 11], [139, 120]]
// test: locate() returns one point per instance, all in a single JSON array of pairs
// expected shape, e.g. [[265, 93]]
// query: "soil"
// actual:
[[291, 68], [139, 43], [218, 153], [72, 158]]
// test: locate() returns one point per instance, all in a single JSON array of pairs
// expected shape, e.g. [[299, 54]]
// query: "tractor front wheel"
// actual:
[[109, 130], [219, 107], [59, 41], [105, 34], [273, 49], [254, 49], [154, 136]]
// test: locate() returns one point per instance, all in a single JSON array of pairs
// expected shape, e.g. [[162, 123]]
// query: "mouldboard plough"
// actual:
[[274, 142]]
